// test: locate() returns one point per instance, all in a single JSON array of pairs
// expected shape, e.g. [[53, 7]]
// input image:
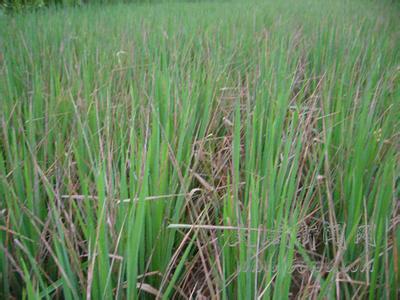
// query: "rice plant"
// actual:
[[222, 150]]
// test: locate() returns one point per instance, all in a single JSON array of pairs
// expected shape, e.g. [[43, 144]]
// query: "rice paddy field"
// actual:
[[201, 150]]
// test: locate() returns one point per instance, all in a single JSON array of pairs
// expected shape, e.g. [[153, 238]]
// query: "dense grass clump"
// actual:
[[231, 150]]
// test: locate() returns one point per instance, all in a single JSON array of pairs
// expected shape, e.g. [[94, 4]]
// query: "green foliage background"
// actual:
[[19, 5]]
